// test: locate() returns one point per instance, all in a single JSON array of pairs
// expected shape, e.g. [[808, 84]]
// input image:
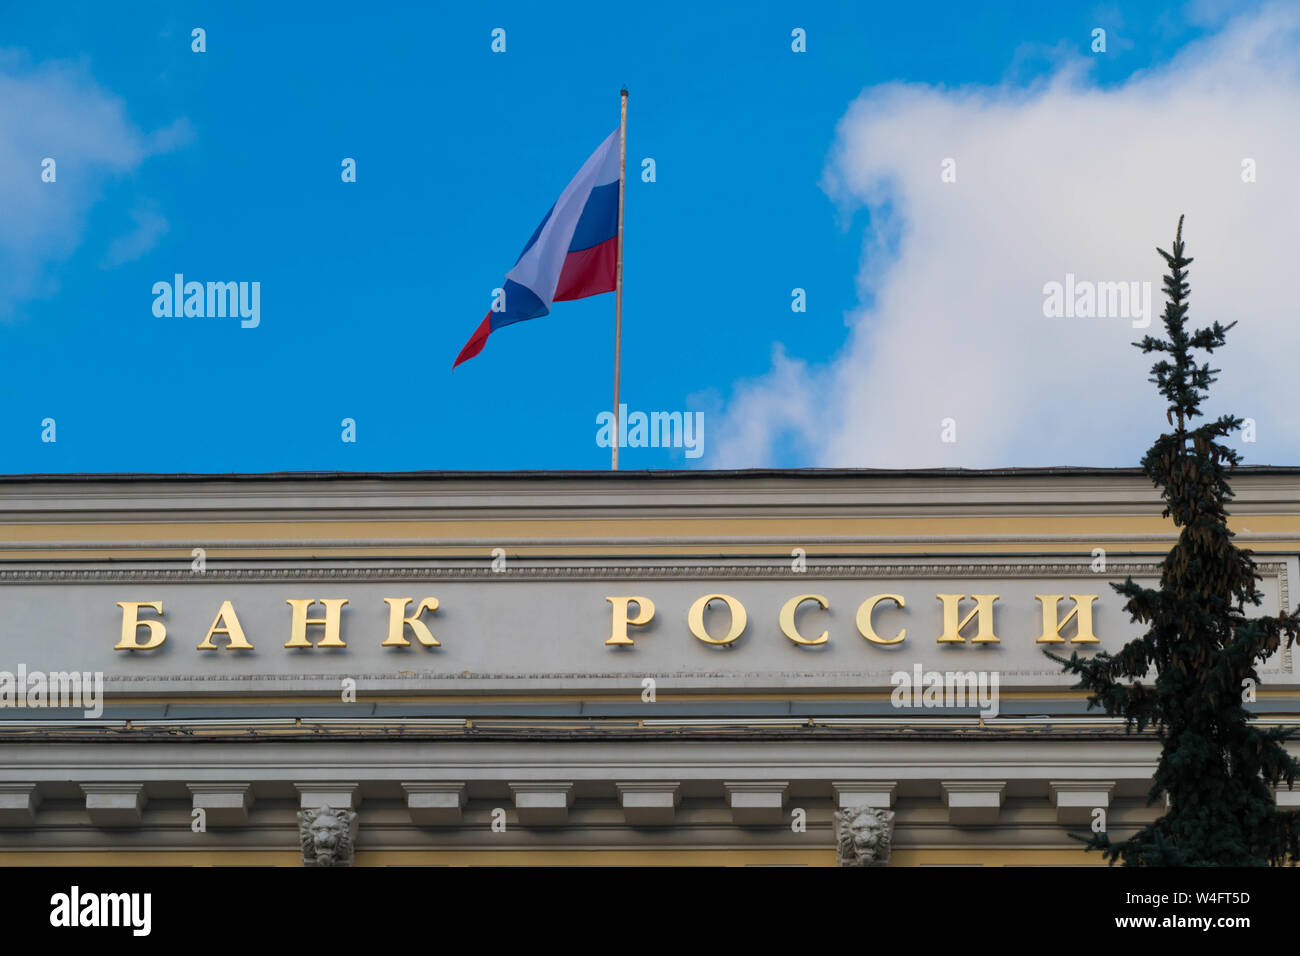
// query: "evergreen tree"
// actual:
[[1216, 765]]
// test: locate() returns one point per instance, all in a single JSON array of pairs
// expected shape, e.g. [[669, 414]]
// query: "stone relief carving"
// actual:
[[863, 836], [327, 835]]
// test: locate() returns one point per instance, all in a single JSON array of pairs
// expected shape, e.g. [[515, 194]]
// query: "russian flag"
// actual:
[[571, 255]]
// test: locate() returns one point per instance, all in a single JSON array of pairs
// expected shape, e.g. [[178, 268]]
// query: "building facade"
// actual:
[[632, 668]]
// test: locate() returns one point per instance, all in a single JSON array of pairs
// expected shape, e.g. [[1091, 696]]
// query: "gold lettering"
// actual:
[[787, 619], [864, 619], [983, 611], [230, 627], [298, 628], [397, 622], [1083, 626], [695, 619], [131, 624], [645, 610]]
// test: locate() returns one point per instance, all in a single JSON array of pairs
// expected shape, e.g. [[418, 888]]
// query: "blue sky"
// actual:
[[225, 165]]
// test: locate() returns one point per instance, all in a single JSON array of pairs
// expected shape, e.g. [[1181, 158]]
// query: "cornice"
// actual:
[[649, 572], [613, 495]]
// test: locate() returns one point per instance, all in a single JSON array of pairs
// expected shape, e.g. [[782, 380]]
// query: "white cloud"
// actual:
[[150, 226], [1061, 177], [56, 110]]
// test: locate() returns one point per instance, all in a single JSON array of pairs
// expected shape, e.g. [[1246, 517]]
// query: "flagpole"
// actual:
[[618, 270]]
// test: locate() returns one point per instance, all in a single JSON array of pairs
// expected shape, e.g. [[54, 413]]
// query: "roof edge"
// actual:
[[602, 475]]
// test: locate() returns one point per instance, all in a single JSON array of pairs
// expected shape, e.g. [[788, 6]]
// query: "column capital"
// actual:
[[542, 802], [114, 804], [340, 796], [435, 803], [973, 802], [756, 802], [223, 804], [649, 803], [18, 803], [871, 793]]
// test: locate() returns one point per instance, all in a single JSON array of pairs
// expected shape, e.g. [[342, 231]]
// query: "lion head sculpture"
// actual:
[[326, 836], [863, 835]]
